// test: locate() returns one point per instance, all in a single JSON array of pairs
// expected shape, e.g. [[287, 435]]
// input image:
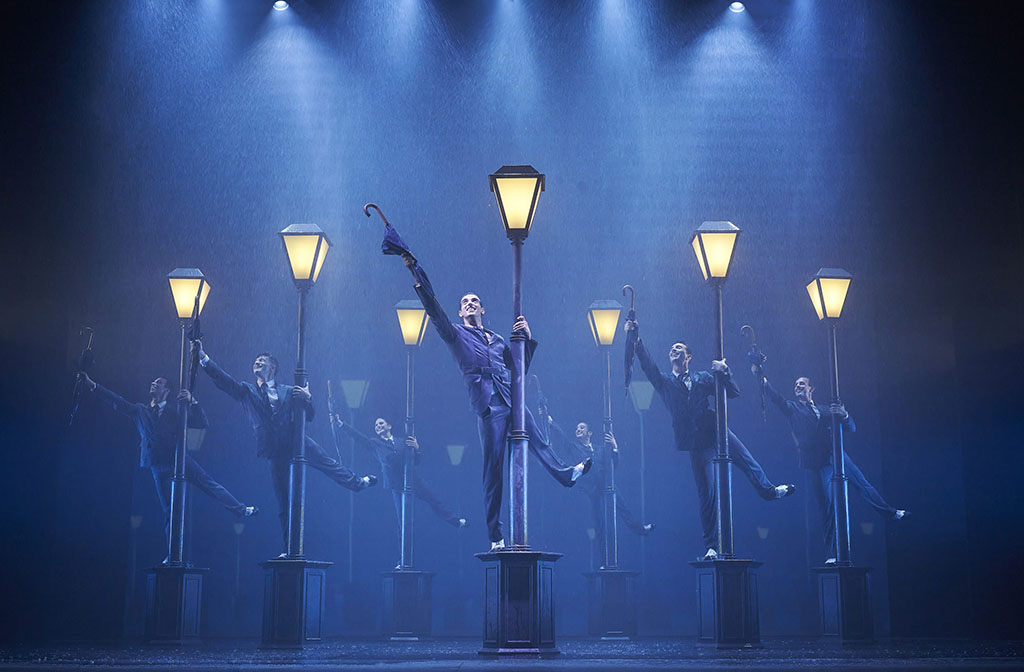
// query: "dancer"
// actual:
[[159, 430], [583, 448], [685, 394], [812, 432], [486, 361], [392, 466], [270, 407]]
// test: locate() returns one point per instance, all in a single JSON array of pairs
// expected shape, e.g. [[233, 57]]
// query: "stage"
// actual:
[[576, 654]]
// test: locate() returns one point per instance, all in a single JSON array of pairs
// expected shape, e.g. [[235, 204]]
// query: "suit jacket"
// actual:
[[159, 433], [390, 454], [576, 452], [812, 431], [273, 428], [486, 367], [693, 417]]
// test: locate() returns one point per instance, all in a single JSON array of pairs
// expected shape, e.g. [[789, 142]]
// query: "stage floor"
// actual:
[[576, 654]]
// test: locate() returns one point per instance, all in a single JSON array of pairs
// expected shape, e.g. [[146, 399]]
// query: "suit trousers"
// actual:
[[494, 426], [320, 460], [703, 463], [824, 495], [197, 476]]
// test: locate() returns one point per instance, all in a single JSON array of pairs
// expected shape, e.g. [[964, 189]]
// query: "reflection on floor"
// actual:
[[576, 654]]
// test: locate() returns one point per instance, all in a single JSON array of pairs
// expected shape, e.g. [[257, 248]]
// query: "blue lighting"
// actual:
[[736, 7], [281, 5]]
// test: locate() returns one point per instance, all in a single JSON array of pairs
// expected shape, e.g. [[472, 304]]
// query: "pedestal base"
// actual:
[[519, 609], [844, 600], [174, 601], [406, 609], [611, 599], [727, 609], [293, 602]]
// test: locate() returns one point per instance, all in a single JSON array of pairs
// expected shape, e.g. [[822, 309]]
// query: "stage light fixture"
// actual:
[[281, 5], [736, 7]]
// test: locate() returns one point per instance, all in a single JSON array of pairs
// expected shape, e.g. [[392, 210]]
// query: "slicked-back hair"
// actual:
[[273, 360]]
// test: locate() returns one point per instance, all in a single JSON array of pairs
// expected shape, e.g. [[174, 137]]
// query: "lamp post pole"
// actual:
[[611, 517], [642, 393], [844, 593], [176, 540], [297, 467], [518, 439], [723, 471], [408, 463]]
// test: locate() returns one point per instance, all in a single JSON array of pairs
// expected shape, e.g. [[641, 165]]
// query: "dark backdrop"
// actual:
[[880, 137]]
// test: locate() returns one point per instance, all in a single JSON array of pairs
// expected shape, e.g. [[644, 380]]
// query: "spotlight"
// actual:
[[734, 7], [281, 5]]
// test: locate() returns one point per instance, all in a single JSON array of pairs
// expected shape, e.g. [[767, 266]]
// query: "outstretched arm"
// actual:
[[649, 367], [119, 403], [353, 433], [430, 303], [220, 377]]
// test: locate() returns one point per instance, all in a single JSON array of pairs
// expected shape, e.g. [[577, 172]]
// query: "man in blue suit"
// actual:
[[486, 362], [686, 394], [270, 407], [392, 468], [159, 430], [812, 432]]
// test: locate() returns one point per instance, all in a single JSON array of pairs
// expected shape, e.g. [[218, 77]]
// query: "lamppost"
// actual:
[[407, 604], [642, 394], [519, 613], [845, 598], [727, 583], [612, 591], [294, 603], [174, 590], [354, 391]]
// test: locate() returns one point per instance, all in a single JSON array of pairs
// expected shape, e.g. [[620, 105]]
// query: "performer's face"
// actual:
[[159, 389], [678, 353], [382, 428], [583, 433], [471, 308], [263, 368], [802, 389]]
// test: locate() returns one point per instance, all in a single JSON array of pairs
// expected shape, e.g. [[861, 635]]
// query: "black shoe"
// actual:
[[900, 514], [784, 490], [367, 481], [251, 511], [460, 523]]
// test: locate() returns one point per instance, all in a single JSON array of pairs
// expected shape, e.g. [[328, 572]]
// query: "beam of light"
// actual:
[[736, 7], [281, 5]]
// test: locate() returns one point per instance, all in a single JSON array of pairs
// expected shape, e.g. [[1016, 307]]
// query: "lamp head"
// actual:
[[186, 284], [306, 246], [517, 191], [413, 320], [455, 453], [354, 392], [603, 316], [713, 243], [828, 292]]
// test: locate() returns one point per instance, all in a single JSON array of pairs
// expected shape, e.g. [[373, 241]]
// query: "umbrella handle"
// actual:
[[366, 211], [632, 296]]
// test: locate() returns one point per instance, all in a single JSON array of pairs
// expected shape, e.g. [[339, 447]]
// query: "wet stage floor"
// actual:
[[576, 654]]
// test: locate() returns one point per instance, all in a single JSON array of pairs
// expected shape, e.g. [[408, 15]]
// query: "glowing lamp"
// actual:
[[186, 285], [306, 246], [828, 291], [713, 243], [642, 393], [354, 392], [455, 453], [604, 319], [517, 190], [413, 320]]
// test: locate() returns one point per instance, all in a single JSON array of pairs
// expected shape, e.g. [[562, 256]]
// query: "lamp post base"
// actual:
[[294, 592], [519, 609], [727, 608], [406, 612], [611, 600], [844, 600], [174, 600]]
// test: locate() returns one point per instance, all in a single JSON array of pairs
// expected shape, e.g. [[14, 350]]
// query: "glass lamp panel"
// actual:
[[718, 248], [324, 247], [455, 453], [700, 257], [183, 290], [642, 393], [603, 323], [354, 392], [812, 291], [515, 197], [301, 252], [834, 290], [413, 322]]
